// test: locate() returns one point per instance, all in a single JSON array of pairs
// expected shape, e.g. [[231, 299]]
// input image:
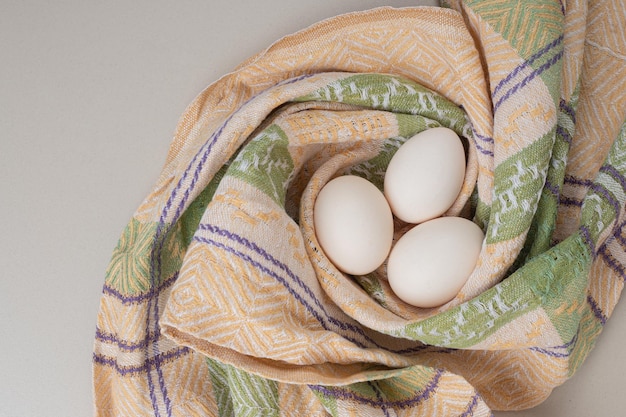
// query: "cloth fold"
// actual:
[[219, 300]]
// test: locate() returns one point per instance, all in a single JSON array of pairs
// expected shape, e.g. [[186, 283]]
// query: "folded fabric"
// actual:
[[219, 301]]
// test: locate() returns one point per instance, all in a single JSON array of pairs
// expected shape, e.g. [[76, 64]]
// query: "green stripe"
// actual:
[[265, 163], [527, 26], [241, 394], [539, 238], [392, 93], [411, 125], [221, 388], [252, 395], [518, 187]]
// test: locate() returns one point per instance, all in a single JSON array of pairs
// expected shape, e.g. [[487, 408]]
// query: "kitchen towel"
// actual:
[[219, 301]]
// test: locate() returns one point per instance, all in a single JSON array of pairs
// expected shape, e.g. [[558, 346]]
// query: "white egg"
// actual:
[[425, 175], [353, 224], [430, 263]]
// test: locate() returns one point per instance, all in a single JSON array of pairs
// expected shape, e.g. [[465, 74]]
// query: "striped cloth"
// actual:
[[219, 301]]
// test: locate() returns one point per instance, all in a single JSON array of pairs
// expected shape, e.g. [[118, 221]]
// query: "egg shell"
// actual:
[[425, 175], [429, 264], [353, 224]]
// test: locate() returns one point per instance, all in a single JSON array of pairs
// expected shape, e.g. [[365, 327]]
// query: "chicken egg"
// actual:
[[425, 175], [353, 224], [430, 263]]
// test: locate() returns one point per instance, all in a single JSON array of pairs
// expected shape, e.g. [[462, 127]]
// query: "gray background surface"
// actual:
[[90, 94]]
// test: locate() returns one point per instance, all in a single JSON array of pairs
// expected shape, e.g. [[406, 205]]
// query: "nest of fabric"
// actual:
[[219, 301]]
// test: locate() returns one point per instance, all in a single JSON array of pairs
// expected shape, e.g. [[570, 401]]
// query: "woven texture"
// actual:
[[219, 301]]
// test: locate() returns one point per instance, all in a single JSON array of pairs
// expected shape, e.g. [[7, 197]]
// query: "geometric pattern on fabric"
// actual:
[[218, 299]]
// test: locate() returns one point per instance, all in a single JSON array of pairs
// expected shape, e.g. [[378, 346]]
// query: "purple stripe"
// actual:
[[485, 139], [527, 63], [568, 344], [379, 396], [155, 273], [147, 366], [430, 348], [294, 79], [344, 394], [616, 266], [554, 190], [472, 405], [483, 150], [135, 299], [482, 137], [567, 201], [549, 352], [619, 235], [586, 235], [569, 179], [321, 317], [123, 344], [567, 109], [597, 311], [560, 130], [529, 78]]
